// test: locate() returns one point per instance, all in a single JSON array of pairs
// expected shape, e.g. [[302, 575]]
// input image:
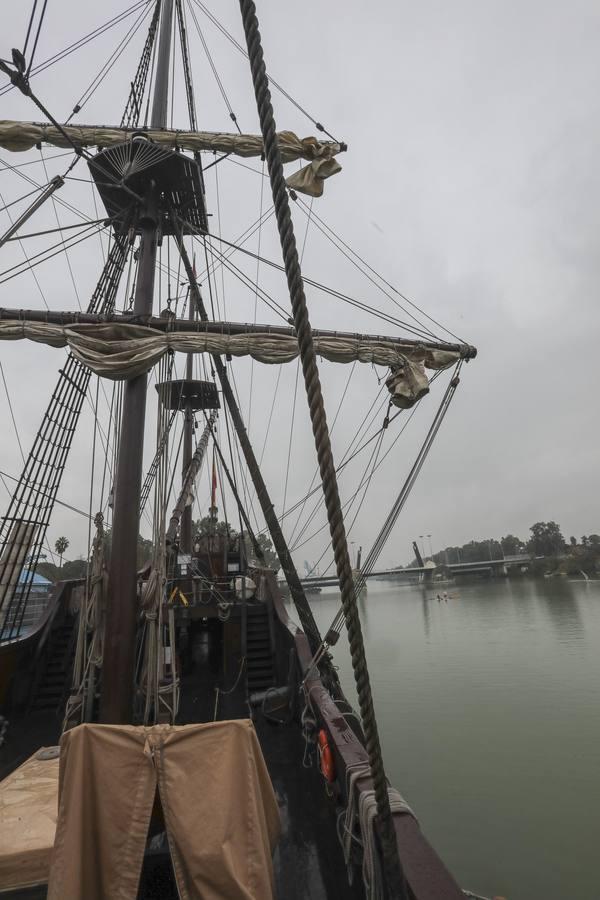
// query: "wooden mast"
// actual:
[[185, 536], [116, 702]]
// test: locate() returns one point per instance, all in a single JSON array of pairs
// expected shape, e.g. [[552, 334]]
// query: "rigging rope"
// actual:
[[37, 36], [73, 282], [260, 215], [402, 497], [307, 619], [29, 266], [12, 414], [244, 53], [365, 482], [323, 445], [132, 111], [108, 65], [60, 247], [31, 17], [335, 237], [76, 45], [316, 472], [187, 65], [289, 453], [352, 301], [34, 496], [232, 115]]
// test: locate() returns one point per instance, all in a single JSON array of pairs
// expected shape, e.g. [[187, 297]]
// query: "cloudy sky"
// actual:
[[470, 183]]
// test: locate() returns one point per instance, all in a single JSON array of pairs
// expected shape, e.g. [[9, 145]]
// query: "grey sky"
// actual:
[[470, 183]]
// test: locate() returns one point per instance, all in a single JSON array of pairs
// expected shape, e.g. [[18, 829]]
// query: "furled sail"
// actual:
[[119, 351], [18, 136]]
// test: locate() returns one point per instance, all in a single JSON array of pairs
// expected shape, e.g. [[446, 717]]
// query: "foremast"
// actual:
[[116, 700]]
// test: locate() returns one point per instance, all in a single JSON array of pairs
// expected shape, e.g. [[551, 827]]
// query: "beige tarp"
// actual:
[[28, 806], [18, 136], [219, 807], [120, 351]]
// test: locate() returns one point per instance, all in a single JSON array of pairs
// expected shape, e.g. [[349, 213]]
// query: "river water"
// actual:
[[489, 714]]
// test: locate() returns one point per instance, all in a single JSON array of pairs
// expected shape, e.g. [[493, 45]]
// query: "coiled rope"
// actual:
[[323, 445]]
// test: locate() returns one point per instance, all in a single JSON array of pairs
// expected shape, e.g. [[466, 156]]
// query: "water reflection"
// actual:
[[425, 600], [363, 606], [483, 702], [559, 599]]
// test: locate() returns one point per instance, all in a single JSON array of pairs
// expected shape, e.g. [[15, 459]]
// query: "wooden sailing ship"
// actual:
[[201, 634]]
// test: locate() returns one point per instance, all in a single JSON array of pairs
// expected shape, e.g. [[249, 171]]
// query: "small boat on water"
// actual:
[[174, 729]]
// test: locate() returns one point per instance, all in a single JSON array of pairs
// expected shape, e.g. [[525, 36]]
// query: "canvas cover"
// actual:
[[28, 807], [19, 136], [118, 351], [220, 811]]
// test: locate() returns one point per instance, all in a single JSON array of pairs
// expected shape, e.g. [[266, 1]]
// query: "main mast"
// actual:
[[121, 622]]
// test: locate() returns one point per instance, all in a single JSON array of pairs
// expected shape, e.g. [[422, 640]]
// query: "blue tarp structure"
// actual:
[[37, 580]]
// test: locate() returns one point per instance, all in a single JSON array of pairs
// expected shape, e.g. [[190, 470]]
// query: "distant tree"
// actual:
[[511, 545], [60, 546], [48, 570], [205, 526], [75, 568], [494, 548], [594, 540], [264, 542], [546, 539], [573, 541], [145, 549], [584, 541]]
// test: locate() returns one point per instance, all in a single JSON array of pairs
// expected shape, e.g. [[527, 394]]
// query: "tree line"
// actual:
[[545, 541], [77, 568]]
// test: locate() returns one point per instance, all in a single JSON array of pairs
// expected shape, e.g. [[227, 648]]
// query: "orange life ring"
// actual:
[[326, 756]]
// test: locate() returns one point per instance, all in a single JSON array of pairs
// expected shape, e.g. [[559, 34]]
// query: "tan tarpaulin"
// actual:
[[28, 805], [219, 807]]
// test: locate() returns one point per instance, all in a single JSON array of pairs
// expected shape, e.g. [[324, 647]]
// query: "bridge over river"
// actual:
[[497, 568]]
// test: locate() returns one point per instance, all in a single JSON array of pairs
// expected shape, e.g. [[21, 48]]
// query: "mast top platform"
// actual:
[[124, 172], [179, 394]]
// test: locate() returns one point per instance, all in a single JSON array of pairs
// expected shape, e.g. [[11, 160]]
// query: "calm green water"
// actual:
[[489, 713]]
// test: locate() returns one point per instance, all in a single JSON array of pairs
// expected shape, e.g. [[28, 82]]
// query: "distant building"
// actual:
[[39, 595]]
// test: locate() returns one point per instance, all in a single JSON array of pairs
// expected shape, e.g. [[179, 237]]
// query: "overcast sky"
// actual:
[[471, 183]]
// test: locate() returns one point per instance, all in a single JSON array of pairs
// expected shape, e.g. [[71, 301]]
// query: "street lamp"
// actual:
[[422, 544], [430, 547]]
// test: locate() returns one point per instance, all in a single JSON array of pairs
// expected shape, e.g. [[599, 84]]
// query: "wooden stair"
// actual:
[[259, 654], [54, 682]]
